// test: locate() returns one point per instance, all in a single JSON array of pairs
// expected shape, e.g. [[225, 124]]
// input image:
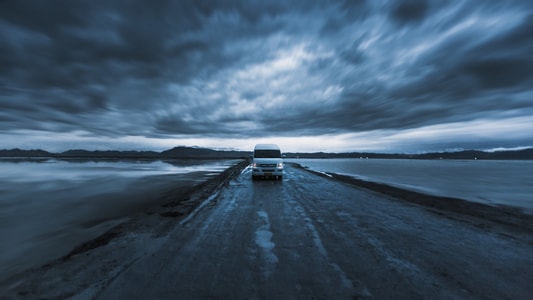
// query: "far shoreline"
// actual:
[[183, 152], [508, 216]]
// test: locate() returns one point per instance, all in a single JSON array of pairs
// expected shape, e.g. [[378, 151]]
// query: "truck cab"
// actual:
[[267, 162]]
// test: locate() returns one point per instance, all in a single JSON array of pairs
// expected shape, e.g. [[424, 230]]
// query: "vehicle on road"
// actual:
[[267, 162]]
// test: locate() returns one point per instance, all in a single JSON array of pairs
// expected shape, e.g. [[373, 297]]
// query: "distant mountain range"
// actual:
[[525, 154], [176, 152], [205, 153]]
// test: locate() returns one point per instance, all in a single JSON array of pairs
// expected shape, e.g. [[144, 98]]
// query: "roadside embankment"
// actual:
[[507, 216], [176, 204], [125, 243]]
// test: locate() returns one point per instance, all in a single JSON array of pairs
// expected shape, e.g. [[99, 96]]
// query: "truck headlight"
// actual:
[[280, 165]]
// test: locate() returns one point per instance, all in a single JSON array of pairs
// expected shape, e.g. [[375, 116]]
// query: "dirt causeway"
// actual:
[[309, 236]]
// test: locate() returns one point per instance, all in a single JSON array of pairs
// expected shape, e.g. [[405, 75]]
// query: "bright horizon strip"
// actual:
[[387, 141]]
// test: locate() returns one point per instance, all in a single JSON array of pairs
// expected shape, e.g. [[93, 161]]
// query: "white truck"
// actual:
[[267, 162]]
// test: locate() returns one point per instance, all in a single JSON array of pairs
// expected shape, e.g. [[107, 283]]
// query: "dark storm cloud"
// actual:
[[469, 74], [71, 56], [406, 11], [254, 68]]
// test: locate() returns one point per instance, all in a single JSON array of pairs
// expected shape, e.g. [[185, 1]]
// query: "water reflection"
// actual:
[[505, 182], [48, 206]]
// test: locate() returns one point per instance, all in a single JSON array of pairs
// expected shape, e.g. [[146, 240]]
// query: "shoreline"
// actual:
[[167, 195], [176, 204], [509, 216]]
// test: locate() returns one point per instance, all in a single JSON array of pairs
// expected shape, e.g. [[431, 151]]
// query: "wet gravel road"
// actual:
[[306, 237]]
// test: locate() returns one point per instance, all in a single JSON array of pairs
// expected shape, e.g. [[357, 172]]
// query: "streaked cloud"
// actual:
[[363, 75]]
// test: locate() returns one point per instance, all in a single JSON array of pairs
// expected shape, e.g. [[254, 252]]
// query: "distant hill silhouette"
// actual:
[[177, 152], [196, 152], [108, 153], [525, 154], [206, 153], [24, 153]]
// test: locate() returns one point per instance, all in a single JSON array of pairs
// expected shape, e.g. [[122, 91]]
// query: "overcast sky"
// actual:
[[383, 76]]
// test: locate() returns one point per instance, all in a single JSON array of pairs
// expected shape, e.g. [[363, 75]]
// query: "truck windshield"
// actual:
[[267, 154]]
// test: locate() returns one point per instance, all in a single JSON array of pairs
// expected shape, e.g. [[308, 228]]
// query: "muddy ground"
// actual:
[[309, 236]]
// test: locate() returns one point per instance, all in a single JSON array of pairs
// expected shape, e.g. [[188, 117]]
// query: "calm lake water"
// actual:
[[492, 182], [49, 206]]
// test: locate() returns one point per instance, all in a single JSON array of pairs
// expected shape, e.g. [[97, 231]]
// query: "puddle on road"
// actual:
[[263, 239]]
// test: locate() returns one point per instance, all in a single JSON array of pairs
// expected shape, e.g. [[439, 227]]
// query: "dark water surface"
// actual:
[[508, 182], [49, 206]]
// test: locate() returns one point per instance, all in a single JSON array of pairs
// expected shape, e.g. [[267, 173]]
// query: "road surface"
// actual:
[[306, 237]]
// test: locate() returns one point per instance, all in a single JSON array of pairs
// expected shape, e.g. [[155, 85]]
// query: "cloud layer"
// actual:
[[184, 70]]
